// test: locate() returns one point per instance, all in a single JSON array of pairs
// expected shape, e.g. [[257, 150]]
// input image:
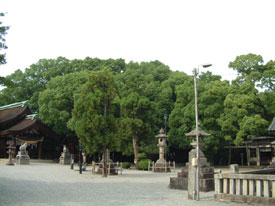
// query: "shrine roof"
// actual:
[[30, 123], [9, 114]]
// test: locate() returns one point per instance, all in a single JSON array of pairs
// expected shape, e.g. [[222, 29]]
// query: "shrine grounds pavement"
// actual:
[[51, 184]]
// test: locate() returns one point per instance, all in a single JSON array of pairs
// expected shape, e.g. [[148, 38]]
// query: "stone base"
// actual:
[[181, 181], [185, 179], [22, 158], [160, 167], [206, 179], [65, 158]]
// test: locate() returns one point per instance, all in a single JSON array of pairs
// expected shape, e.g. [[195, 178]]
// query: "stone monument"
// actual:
[[186, 179], [161, 164], [22, 157], [64, 159]]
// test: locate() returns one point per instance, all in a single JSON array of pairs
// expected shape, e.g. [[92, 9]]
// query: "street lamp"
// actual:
[[197, 130], [165, 132], [165, 120]]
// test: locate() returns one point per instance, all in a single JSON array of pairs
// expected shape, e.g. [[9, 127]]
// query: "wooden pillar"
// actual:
[[258, 156], [40, 150]]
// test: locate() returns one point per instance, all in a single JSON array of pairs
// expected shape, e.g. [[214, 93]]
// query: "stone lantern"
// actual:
[[161, 164], [10, 152], [206, 173]]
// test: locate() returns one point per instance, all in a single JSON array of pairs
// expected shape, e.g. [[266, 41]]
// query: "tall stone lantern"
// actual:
[[200, 174], [161, 164]]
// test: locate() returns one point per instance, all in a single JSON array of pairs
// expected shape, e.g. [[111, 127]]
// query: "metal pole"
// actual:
[[80, 158], [197, 138], [165, 119]]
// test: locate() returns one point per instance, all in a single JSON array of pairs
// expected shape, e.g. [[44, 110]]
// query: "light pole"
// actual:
[[165, 120], [80, 158], [165, 132], [197, 131]]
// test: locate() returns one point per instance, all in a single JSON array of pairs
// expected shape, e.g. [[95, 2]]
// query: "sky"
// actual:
[[182, 34]]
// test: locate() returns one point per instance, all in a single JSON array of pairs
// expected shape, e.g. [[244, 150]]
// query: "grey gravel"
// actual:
[[45, 184]]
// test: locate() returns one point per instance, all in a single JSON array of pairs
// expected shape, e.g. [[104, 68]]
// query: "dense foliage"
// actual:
[[108, 104]]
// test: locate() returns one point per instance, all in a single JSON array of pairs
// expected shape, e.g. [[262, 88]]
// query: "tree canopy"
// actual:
[[93, 117], [120, 106]]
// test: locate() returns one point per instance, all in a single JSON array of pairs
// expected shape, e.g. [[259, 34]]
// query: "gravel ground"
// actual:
[[45, 184]]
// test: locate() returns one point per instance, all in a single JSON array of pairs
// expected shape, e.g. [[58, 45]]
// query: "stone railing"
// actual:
[[245, 188], [112, 168]]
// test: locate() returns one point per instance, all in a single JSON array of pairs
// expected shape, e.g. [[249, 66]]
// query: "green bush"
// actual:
[[126, 165], [141, 156], [143, 164]]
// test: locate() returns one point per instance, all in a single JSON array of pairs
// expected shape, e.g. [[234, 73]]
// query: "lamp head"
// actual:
[[206, 65]]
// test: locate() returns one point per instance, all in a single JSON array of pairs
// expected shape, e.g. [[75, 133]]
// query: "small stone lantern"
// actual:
[[161, 165], [10, 152], [161, 144]]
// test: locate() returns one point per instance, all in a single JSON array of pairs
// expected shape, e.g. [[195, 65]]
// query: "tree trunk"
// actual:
[[104, 163], [135, 147]]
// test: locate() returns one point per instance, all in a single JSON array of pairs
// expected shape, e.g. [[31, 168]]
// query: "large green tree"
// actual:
[[243, 114], [251, 67], [140, 116], [94, 114], [56, 102], [211, 94], [28, 84]]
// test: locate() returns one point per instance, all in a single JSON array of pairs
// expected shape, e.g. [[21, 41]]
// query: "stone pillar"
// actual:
[[161, 152], [192, 176]]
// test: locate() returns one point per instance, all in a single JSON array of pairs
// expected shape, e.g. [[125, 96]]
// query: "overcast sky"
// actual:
[[180, 33]]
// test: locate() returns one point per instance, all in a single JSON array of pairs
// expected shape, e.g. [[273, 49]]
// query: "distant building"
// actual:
[[256, 151], [18, 125]]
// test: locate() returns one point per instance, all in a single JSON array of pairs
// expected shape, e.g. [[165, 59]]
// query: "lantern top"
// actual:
[[161, 134], [200, 132]]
